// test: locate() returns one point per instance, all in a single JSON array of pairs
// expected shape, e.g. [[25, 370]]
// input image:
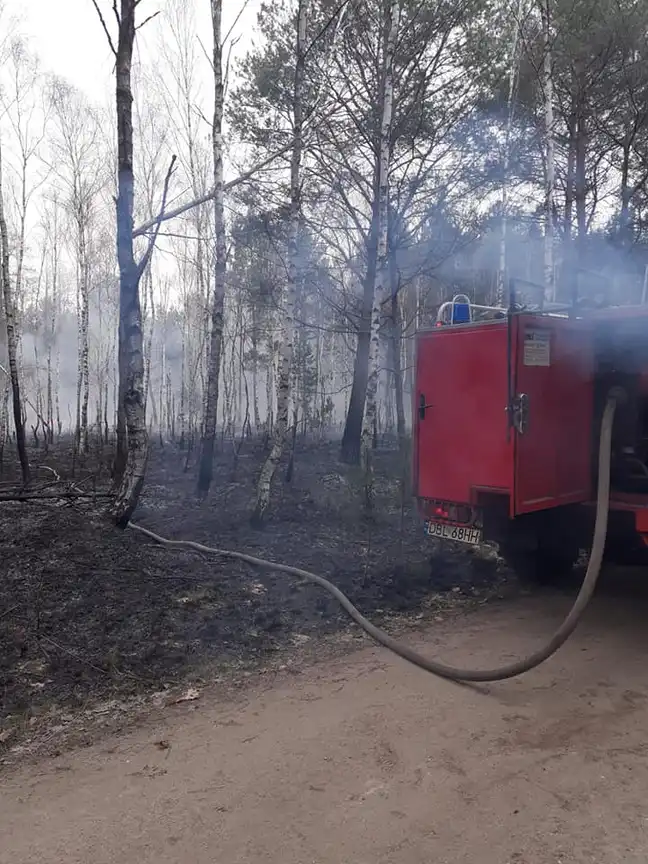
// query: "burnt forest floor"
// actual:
[[96, 622]]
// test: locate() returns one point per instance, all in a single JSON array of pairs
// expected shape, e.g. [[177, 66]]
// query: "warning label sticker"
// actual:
[[537, 347]]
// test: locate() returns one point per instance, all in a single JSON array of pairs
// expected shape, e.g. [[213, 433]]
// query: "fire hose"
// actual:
[[435, 667]]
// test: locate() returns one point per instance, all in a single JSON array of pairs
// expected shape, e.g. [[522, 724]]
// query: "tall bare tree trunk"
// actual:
[[391, 22], [183, 381], [84, 368], [255, 370], [12, 340], [580, 184], [131, 353], [513, 72], [285, 367], [352, 435], [569, 181], [51, 333], [49, 406], [567, 265], [625, 193], [397, 370], [547, 86], [57, 402], [148, 279], [206, 467], [270, 389]]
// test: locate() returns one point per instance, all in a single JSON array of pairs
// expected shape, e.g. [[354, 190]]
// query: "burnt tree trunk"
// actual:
[[206, 467], [12, 339], [131, 354]]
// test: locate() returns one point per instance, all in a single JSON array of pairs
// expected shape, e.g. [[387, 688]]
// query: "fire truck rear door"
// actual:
[[552, 411]]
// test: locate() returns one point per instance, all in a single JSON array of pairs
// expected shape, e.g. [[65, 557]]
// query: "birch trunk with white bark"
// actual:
[[381, 283], [500, 294], [547, 88], [57, 401], [270, 388], [255, 372], [206, 467], [51, 338], [286, 352], [182, 418], [83, 371]]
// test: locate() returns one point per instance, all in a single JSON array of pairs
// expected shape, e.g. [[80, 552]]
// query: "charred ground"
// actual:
[[90, 613]]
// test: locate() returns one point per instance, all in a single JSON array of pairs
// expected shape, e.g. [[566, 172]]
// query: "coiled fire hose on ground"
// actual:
[[436, 667]]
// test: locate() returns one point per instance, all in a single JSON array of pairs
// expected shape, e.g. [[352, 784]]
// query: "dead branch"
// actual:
[[236, 20], [57, 476], [146, 20], [145, 227], [81, 659], [158, 220], [105, 26]]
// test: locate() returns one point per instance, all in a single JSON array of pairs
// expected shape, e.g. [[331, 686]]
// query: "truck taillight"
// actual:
[[455, 514]]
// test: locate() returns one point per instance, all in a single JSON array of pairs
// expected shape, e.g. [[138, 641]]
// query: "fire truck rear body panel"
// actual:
[[506, 414], [461, 438], [553, 363], [464, 443]]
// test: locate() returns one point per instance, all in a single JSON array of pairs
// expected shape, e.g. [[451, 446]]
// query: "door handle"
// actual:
[[423, 406], [520, 413]]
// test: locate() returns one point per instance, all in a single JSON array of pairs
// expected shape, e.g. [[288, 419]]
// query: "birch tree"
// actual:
[[78, 162], [206, 467], [12, 336], [180, 84], [431, 96], [500, 296], [391, 22], [51, 307], [131, 473], [21, 109], [285, 362], [549, 132]]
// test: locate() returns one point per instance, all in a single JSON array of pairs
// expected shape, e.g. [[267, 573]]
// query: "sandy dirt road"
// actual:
[[368, 760]]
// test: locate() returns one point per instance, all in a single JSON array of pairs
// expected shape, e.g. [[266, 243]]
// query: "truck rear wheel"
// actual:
[[541, 566], [543, 548]]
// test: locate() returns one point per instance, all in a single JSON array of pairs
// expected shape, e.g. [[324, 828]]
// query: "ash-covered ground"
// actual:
[[90, 613]]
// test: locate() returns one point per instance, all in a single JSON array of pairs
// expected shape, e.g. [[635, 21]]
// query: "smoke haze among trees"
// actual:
[[376, 158]]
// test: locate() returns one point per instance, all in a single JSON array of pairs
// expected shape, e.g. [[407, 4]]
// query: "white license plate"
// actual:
[[453, 532]]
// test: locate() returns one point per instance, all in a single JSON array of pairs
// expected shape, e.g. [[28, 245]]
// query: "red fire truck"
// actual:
[[507, 416]]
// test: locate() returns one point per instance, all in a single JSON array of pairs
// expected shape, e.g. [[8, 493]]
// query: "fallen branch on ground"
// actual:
[[35, 496], [47, 468], [81, 659]]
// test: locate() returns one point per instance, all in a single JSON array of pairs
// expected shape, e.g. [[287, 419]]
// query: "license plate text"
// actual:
[[453, 532]]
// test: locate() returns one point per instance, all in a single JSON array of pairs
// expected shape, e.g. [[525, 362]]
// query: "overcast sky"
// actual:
[[67, 35]]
